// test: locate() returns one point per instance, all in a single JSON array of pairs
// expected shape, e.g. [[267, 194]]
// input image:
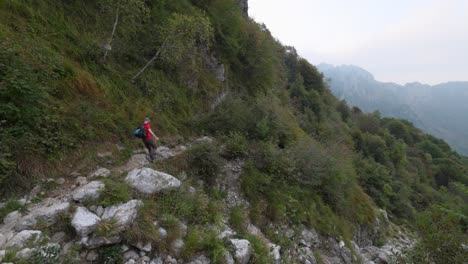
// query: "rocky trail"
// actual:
[[67, 224]]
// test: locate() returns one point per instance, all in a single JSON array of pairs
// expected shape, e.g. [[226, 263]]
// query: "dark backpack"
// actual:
[[140, 132]]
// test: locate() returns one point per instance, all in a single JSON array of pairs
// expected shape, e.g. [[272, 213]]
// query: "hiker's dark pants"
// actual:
[[150, 144]]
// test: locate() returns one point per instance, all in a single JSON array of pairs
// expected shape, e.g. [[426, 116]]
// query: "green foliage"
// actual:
[[11, 206], [309, 159], [111, 254], [261, 251], [238, 219], [48, 254], [115, 191], [195, 208], [107, 229], [431, 148], [344, 110], [235, 146], [442, 238], [143, 229], [205, 161]]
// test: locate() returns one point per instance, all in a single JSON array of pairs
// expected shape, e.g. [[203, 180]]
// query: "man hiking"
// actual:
[[149, 139]]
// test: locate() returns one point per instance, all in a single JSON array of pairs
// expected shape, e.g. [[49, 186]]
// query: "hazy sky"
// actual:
[[396, 40]]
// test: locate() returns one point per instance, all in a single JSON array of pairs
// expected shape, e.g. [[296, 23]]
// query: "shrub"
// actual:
[[235, 146], [115, 191], [205, 161], [111, 254], [11, 206], [238, 219]]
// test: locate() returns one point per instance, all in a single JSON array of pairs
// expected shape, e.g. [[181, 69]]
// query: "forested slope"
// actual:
[[69, 86]]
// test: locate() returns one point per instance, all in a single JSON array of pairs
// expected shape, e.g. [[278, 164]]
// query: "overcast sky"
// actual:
[[396, 40]]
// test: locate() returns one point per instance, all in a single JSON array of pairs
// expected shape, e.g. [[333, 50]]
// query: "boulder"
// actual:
[[163, 153], [149, 181], [309, 238], [124, 214], [92, 255], [81, 181], [84, 221], [146, 247], [162, 233], [136, 161], [242, 250], [101, 172], [228, 259], [24, 254], [89, 191], [131, 254], [47, 215], [177, 246], [60, 181], [3, 240], [19, 240], [12, 217], [275, 252]]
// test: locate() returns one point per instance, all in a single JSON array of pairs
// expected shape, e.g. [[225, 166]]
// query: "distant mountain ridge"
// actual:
[[439, 109]]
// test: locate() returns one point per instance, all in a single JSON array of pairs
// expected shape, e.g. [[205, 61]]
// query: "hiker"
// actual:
[[148, 137]]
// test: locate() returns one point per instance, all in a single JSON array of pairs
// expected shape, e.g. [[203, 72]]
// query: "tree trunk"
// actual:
[[163, 46], [108, 46]]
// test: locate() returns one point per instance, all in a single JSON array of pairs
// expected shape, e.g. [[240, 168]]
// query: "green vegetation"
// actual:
[[115, 191], [309, 159], [10, 206]]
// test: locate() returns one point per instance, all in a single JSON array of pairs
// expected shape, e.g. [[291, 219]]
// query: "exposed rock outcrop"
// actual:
[[242, 250], [149, 181], [90, 191], [46, 214], [84, 221]]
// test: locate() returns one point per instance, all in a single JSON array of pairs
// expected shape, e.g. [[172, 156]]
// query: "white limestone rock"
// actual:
[[3, 240], [47, 215], [84, 221], [309, 238], [95, 241], [89, 191], [164, 153], [177, 246], [131, 254], [20, 239], [24, 254], [101, 172], [136, 161], [275, 252], [149, 181], [92, 255], [242, 250], [12, 217], [81, 181], [124, 214]]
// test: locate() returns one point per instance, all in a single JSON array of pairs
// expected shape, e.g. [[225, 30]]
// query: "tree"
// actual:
[[131, 12], [183, 36]]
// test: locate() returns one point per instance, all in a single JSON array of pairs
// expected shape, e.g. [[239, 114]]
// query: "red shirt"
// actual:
[[147, 131]]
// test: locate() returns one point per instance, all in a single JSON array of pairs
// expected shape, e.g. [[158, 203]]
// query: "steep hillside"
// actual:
[[437, 110], [258, 161]]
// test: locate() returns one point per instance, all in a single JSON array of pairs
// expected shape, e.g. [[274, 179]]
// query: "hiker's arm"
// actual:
[[152, 133]]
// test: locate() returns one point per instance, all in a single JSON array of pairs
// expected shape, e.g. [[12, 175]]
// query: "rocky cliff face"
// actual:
[[75, 221], [245, 6]]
